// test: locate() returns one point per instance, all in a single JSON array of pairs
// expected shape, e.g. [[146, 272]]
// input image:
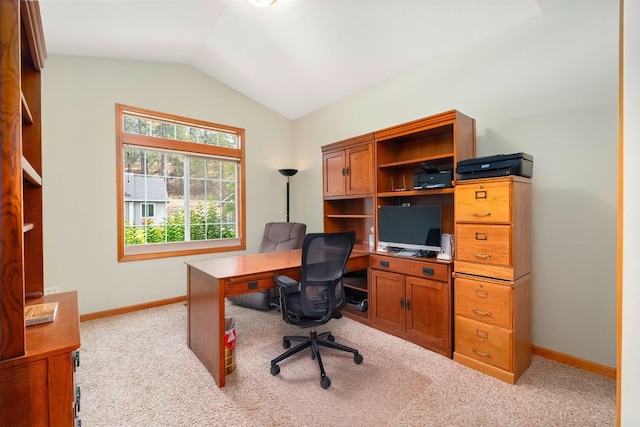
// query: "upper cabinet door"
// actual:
[[348, 168], [334, 169], [359, 179]]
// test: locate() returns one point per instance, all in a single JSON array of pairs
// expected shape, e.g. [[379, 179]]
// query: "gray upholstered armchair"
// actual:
[[278, 236]]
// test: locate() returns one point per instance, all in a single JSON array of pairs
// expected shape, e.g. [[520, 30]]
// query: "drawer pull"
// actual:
[[384, 264], [77, 399], [481, 256], [482, 293], [481, 236], [481, 214], [488, 355], [75, 356], [482, 194], [253, 285], [482, 334], [481, 313], [427, 271]]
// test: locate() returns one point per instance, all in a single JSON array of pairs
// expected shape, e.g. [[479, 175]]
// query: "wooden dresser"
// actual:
[[492, 296]]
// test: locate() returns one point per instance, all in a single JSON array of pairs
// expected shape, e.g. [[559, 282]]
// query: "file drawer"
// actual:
[[484, 244], [483, 342], [488, 202], [484, 301]]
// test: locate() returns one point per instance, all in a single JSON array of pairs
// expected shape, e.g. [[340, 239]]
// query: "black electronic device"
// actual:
[[425, 181], [413, 229], [520, 164]]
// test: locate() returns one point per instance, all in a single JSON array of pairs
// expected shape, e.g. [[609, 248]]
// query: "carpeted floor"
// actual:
[[136, 370]]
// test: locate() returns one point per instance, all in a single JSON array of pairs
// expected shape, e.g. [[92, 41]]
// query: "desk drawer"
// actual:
[[483, 342], [483, 301], [246, 284], [427, 270]]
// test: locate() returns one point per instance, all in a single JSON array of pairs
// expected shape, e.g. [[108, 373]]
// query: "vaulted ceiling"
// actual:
[[294, 56]]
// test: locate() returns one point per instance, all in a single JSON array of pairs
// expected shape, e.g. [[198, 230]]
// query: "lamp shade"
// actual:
[[288, 172]]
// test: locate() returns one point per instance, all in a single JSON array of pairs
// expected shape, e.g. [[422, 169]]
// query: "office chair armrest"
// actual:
[[285, 282]]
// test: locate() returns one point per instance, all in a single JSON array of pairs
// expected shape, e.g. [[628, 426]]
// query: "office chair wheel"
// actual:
[[331, 338], [275, 370], [325, 382], [286, 343], [358, 358]]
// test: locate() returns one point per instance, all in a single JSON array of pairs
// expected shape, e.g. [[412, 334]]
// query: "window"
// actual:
[[180, 185], [147, 210]]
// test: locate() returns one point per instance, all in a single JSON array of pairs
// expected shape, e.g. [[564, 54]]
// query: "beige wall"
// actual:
[[79, 97], [630, 386], [547, 87]]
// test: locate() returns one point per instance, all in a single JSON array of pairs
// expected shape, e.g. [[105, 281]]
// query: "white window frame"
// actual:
[[144, 212], [162, 250]]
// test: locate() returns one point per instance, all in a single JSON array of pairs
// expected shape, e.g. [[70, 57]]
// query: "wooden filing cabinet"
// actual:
[[492, 296], [412, 299]]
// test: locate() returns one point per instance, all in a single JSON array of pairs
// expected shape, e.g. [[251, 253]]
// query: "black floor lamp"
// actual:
[[288, 173]]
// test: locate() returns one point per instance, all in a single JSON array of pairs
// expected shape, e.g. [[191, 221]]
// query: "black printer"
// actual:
[[520, 164]]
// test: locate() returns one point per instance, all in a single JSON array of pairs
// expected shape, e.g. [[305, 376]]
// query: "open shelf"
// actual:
[[346, 216], [30, 173], [417, 162], [27, 117]]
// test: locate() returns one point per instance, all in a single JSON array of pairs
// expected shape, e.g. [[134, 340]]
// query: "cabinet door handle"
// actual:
[[481, 214], [482, 256], [408, 305], [481, 313], [346, 171], [402, 303], [482, 194], [488, 355]]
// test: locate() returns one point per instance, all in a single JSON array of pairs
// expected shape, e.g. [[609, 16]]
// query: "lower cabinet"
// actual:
[[412, 300], [39, 388], [493, 325]]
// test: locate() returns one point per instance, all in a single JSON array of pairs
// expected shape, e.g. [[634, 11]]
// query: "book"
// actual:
[[40, 313]]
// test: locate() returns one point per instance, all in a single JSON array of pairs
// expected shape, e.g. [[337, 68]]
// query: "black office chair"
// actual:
[[320, 298]]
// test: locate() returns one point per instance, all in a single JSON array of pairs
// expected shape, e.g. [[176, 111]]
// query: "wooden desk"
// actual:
[[209, 282]]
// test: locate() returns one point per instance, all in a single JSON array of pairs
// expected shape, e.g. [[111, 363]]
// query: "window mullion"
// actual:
[[187, 200]]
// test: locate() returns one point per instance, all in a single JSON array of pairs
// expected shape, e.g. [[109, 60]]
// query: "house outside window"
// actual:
[[180, 185]]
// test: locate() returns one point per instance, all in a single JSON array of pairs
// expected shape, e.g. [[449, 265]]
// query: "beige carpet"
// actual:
[[136, 370]]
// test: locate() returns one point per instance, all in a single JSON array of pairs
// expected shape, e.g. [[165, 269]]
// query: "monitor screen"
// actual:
[[410, 227]]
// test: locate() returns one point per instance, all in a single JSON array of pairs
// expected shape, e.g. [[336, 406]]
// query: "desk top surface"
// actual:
[[241, 265]]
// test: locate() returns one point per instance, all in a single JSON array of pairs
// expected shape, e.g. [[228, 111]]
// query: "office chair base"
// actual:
[[313, 341]]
